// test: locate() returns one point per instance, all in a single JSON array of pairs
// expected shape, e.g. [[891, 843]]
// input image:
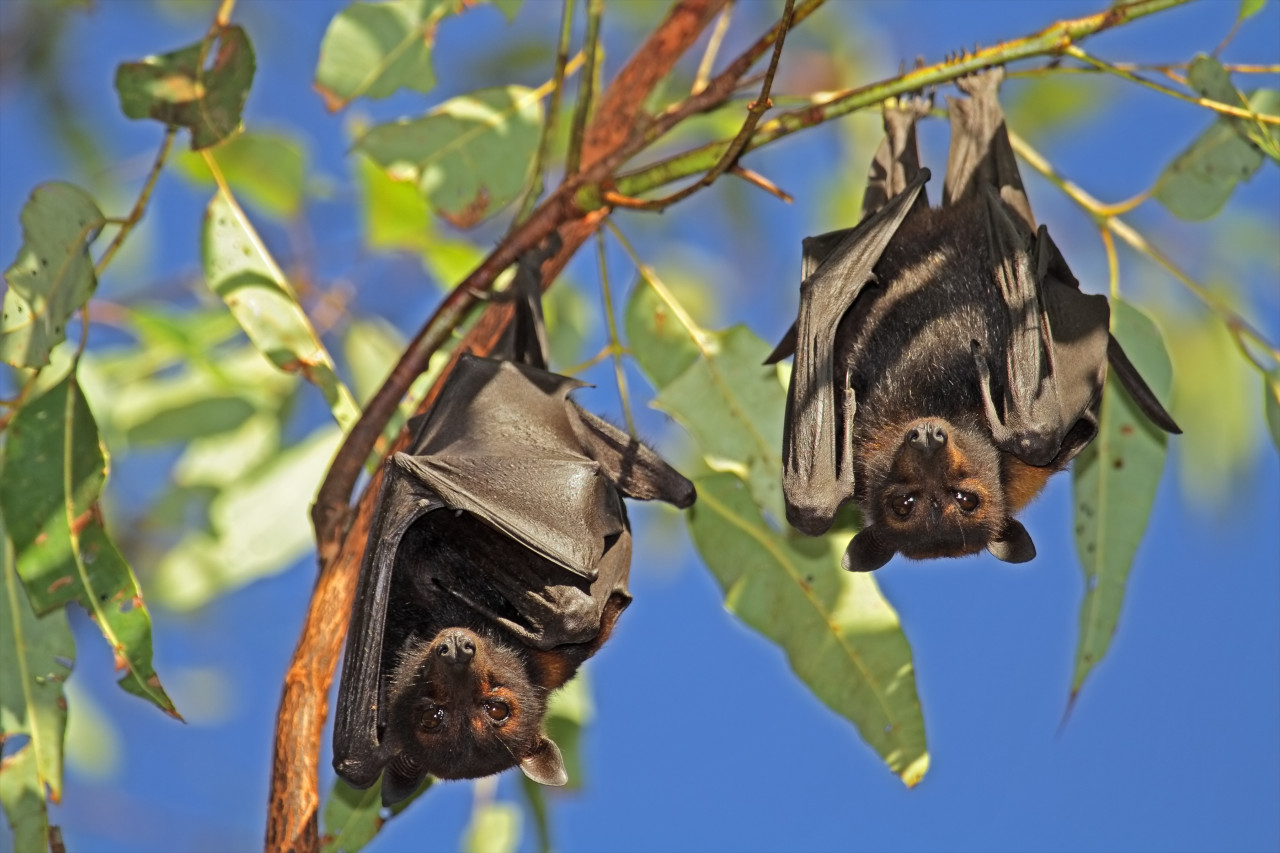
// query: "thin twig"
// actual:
[[614, 342], [713, 47], [139, 206], [664, 293], [729, 158], [1114, 224], [586, 91], [552, 116], [1216, 106]]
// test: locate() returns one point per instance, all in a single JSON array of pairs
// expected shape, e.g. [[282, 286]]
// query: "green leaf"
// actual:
[[469, 157], [54, 471], [1115, 480], [839, 634], [1271, 404], [1214, 402], [353, 817], [1199, 181], [269, 170], [371, 348], [494, 828], [1212, 80], [202, 87], [259, 525], [37, 659], [52, 276], [655, 337], [373, 49], [1249, 8], [732, 404], [239, 269]]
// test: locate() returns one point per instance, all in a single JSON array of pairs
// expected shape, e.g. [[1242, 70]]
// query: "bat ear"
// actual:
[[1014, 544], [866, 552], [544, 764]]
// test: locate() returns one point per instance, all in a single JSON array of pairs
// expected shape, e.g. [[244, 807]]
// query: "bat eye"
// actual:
[[902, 505], [432, 719], [967, 501], [498, 711]]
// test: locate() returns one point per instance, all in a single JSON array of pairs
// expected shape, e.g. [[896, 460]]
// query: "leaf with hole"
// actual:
[[1115, 480], [202, 87], [54, 471], [52, 277]]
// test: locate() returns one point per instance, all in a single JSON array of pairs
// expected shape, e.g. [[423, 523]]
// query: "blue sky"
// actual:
[[703, 739]]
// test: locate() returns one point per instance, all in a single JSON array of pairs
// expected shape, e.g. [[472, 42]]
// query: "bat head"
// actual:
[[464, 705], [933, 489]]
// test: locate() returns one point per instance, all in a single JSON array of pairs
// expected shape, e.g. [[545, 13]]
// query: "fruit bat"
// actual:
[[496, 564], [946, 361]]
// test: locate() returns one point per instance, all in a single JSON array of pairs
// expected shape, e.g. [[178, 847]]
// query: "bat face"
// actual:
[[461, 705], [938, 493]]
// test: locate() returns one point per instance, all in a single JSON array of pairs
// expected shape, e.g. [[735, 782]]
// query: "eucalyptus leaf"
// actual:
[[1115, 480], [1271, 404], [353, 817], [53, 276], [839, 634], [54, 471], [239, 269], [374, 49], [494, 828], [1199, 181], [202, 87], [663, 347], [469, 157], [37, 651], [259, 525]]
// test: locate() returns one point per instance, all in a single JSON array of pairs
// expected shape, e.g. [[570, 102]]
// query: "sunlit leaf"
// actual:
[[1249, 8], [1115, 480], [202, 87], [52, 275], [655, 337], [353, 817], [373, 49], [1211, 80], [732, 404], [54, 471], [239, 269], [1215, 403], [371, 348], [37, 654], [494, 828], [1200, 180], [839, 634], [259, 525], [268, 170], [469, 157]]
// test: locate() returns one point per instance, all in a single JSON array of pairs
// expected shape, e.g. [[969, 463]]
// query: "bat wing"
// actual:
[[1055, 360], [500, 443], [358, 753], [817, 476]]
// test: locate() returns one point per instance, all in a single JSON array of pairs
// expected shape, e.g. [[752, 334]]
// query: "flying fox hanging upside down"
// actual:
[[946, 362]]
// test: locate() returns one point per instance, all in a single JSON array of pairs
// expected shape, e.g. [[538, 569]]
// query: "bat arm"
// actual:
[[809, 478], [358, 756]]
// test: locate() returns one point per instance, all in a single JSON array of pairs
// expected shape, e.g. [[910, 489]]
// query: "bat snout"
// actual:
[[457, 649], [926, 436]]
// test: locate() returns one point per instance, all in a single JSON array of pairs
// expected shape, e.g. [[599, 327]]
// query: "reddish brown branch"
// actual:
[[294, 798]]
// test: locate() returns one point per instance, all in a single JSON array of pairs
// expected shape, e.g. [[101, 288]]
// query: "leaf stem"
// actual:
[[552, 115], [586, 91], [614, 345]]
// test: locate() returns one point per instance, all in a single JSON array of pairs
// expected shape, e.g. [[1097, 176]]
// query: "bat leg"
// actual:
[[525, 338], [897, 160], [980, 152], [844, 472]]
